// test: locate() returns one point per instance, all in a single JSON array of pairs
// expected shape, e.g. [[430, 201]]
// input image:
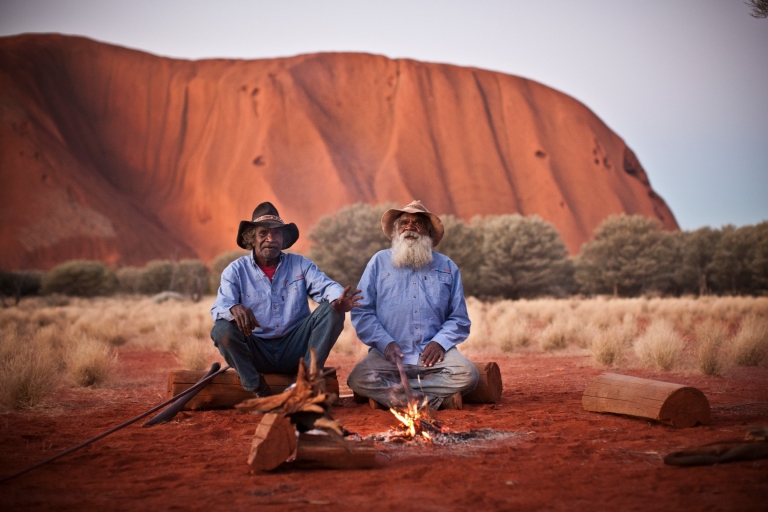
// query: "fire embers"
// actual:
[[416, 422]]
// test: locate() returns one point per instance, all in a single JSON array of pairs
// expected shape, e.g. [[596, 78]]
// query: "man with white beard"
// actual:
[[414, 310]]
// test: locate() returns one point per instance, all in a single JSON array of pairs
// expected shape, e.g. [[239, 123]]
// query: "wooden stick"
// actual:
[[225, 391], [672, 404]]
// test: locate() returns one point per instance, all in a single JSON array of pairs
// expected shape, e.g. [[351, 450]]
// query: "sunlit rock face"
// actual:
[[121, 156]]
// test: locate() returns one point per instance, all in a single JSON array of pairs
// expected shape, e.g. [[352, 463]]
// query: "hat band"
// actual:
[[269, 217]]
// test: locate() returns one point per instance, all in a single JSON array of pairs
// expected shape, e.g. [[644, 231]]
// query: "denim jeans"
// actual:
[[251, 355], [375, 377]]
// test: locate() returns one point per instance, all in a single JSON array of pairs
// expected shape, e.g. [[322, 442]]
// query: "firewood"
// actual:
[[672, 404], [488, 390], [323, 452], [226, 390], [273, 443]]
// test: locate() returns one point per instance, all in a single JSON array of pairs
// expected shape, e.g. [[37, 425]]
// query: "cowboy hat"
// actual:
[[389, 217], [266, 215]]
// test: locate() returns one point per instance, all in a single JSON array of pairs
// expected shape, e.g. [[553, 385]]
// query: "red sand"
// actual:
[[562, 457]]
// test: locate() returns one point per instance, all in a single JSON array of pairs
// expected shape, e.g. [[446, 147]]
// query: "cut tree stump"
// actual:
[[323, 452], [273, 442], [672, 404], [225, 390], [488, 390]]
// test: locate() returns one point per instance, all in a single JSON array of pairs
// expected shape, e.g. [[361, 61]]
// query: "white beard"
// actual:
[[411, 249]]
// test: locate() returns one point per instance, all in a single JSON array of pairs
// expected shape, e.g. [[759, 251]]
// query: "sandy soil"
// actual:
[[558, 456]]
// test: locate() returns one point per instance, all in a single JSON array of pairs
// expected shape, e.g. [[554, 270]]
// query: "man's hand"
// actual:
[[244, 318], [393, 353], [347, 301], [432, 354]]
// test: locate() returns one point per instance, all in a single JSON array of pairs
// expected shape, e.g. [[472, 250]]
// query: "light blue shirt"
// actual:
[[280, 305], [411, 307]]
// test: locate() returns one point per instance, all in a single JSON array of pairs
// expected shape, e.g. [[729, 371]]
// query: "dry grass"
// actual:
[[608, 345], [28, 370], [195, 354], [660, 346], [750, 344], [710, 338], [89, 362]]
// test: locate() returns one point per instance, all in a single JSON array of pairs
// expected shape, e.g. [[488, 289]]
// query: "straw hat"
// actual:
[[389, 217]]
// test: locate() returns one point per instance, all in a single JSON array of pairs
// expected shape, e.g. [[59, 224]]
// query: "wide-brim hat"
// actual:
[[389, 217], [266, 215]]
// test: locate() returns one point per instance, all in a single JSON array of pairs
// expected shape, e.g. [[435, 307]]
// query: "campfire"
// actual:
[[415, 420]]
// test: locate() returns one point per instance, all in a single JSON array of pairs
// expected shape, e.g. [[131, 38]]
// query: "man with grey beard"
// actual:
[[413, 309]]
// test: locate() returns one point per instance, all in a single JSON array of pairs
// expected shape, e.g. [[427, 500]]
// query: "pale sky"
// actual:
[[683, 82]]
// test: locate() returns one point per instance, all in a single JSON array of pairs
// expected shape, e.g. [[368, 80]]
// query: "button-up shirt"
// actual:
[[279, 305], [411, 307]]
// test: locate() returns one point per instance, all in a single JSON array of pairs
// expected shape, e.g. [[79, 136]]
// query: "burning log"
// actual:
[[672, 404], [225, 390]]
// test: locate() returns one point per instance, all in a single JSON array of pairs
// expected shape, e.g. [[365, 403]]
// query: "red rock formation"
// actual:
[[118, 155]]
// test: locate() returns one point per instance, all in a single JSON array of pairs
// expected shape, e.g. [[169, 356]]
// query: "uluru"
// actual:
[[121, 156]]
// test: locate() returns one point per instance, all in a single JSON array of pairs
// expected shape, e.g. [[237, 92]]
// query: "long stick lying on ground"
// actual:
[[194, 389], [170, 412]]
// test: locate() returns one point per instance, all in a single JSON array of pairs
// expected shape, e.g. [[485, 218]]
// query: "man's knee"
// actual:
[[223, 331], [465, 374], [325, 310]]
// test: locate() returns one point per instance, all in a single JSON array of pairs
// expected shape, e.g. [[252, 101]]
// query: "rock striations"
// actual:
[[117, 155]]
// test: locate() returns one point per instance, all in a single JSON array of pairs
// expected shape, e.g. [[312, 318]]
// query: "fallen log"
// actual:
[[673, 404], [225, 390], [488, 390], [273, 443], [324, 452]]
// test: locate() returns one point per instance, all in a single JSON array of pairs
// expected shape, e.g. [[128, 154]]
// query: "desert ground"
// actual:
[[546, 451]]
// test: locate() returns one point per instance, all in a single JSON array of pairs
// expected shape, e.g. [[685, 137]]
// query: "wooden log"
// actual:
[[489, 387], [225, 390], [324, 452], [273, 443], [488, 390], [672, 404]]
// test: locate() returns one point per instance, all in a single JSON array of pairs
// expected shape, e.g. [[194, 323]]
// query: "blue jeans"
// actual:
[[251, 355], [375, 377]]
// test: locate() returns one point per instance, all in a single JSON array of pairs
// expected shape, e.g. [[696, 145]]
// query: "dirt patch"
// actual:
[[542, 451]]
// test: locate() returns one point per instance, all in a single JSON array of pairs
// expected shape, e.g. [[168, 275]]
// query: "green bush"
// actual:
[[20, 284], [218, 265], [191, 278], [524, 257], [345, 241], [129, 279], [81, 278], [157, 276]]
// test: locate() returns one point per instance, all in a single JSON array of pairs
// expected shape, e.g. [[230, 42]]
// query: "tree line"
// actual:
[[499, 256]]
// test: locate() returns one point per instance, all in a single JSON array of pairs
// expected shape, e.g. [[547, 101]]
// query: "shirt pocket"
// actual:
[[295, 294], [259, 303], [389, 289], [439, 284]]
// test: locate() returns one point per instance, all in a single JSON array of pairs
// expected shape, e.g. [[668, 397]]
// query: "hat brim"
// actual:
[[290, 231], [391, 215]]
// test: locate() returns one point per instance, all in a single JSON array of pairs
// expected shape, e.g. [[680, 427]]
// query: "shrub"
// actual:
[[524, 257], [193, 353], [129, 279], [710, 337], [89, 362], [750, 344], [629, 255], [19, 284], [608, 345], [659, 346], [157, 276], [192, 278], [463, 245], [218, 265], [345, 241], [80, 278], [554, 336]]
